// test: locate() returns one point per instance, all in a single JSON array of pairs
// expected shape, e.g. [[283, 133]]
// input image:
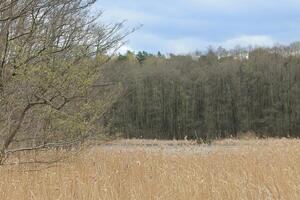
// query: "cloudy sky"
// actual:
[[183, 26]]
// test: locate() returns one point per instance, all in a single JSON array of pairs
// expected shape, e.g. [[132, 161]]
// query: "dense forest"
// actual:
[[216, 94]]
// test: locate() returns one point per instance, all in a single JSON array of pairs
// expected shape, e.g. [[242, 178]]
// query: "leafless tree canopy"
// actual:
[[50, 56]]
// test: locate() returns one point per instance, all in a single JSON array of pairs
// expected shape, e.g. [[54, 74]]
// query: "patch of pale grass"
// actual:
[[152, 142], [269, 169]]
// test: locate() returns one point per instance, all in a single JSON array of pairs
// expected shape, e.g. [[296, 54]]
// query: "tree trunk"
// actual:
[[9, 138]]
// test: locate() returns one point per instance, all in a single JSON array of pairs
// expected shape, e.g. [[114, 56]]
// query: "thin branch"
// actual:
[[45, 146]]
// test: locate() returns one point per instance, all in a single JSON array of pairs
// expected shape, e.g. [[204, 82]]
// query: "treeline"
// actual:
[[214, 95]]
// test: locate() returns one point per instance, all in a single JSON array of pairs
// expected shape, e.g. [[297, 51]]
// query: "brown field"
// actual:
[[230, 169]]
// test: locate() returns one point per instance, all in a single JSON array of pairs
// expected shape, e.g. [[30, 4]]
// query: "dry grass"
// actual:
[[268, 169]]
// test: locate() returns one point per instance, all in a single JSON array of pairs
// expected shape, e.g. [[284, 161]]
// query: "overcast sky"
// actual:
[[183, 26]]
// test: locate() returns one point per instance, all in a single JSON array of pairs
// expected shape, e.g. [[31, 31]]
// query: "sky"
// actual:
[[184, 26]]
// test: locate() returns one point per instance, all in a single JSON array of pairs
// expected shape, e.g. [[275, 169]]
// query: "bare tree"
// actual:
[[48, 64]]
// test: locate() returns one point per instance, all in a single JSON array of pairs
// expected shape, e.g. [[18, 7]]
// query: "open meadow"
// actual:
[[227, 169]]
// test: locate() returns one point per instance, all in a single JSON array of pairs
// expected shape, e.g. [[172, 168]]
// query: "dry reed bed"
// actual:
[[268, 170]]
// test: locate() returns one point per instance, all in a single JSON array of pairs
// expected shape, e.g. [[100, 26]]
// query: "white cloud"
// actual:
[[185, 45], [124, 48], [248, 40]]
